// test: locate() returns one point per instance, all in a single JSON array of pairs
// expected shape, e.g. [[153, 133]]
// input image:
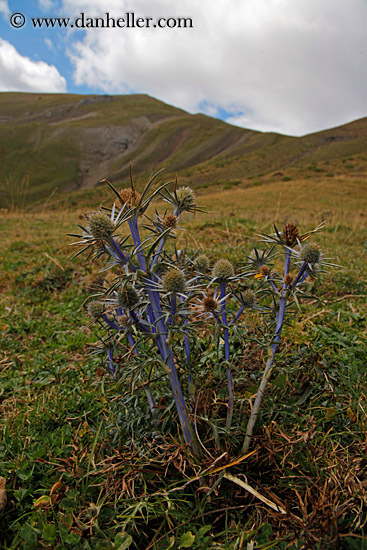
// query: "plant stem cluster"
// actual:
[[157, 300]]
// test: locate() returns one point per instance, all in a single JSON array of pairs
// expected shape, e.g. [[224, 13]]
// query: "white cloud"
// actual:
[[19, 73], [280, 65], [46, 4], [4, 8], [50, 44]]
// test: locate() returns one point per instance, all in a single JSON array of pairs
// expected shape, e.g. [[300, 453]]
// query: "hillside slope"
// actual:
[[71, 142], [63, 142]]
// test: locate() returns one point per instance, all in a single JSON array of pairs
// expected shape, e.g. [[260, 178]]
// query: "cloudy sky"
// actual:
[[289, 66]]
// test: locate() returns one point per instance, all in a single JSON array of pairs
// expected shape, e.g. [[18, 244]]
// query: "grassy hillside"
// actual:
[[65, 142], [52, 143]]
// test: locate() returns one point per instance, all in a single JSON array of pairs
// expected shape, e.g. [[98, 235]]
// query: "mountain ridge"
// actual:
[[68, 142]]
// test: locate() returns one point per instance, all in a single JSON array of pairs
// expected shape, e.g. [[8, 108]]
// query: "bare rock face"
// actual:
[[104, 145]]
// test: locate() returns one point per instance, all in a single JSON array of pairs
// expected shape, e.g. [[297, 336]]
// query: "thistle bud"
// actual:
[[100, 226], [311, 253], [127, 296], [288, 279], [185, 199], [248, 298], [170, 221], [129, 197], [186, 193], [223, 270], [210, 304], [95, 309], [124, 320], [202, 263], [290, 234], [265, 270], [174, 281]]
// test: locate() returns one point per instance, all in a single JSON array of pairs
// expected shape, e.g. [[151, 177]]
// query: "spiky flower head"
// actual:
[[210, 304], [130, 197], [202, 262], [264, 270], [182, 199], [124, 320], [170, 221], [186, 197], [174, 281], [288, 279], [100, 226], [223, 270], [95, 309], [290, 234], [127, 296], [248, 298], [311, 253]]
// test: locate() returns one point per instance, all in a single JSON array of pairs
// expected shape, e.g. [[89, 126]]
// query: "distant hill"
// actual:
[[65, 142]]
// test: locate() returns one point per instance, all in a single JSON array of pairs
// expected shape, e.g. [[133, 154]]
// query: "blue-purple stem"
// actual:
[[173, 307], [238, 314], [156, 318], [110, 362], [302, 274], [148, 391], [168, 359], [267, 372], [117, 253], [188, 356], [110, 323], [187, 344], [139, 322], [159, 249], [226, 355], [134, 230], [273, 286]]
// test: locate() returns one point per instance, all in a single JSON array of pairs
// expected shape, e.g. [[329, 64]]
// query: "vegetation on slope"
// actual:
[[63, 142]]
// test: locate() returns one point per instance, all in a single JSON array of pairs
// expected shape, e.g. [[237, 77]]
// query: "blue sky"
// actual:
[[49, 45], [290, 66]]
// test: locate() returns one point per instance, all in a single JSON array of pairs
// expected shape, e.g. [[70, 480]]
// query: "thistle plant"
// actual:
[[156, 300], [148, 308], [284, 291]]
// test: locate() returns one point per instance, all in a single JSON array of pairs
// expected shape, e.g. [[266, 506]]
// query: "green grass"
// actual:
[[84, 467]]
